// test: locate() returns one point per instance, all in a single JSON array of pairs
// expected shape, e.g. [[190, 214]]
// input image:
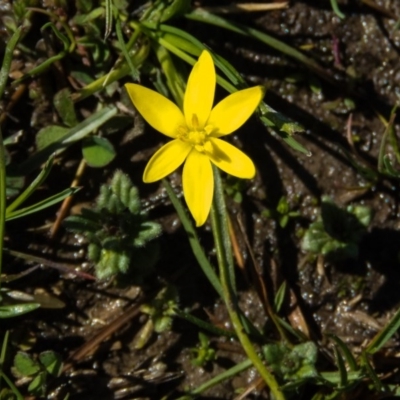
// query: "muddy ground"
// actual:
[[352, 298]]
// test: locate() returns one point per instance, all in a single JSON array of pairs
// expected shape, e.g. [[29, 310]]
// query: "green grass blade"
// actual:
[[280, 297], [381, 338], [15, 310], [194, 240], [109, 18], [334, 377], [351, 361], [3, 354], [18, 395], [336, 9], [176, 84], [118, 73], [220, 227], [8, 55], [4, 349], [228, 374], [341, 368], [32, 187], [203, 324], [23, 212], [46, 64], [133, 70], [371, 373], [2, 197]]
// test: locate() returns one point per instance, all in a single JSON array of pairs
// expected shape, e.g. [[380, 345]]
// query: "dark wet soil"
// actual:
[[341, 113]]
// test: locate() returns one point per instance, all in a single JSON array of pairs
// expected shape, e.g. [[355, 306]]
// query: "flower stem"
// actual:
[[219, 223], [2, 197]]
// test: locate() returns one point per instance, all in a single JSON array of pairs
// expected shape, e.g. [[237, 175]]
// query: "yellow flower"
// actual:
[[196, 132]]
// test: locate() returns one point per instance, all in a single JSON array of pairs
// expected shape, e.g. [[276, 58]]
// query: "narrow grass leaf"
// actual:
[[351, 361], [223, 244], [109, 19], [193, 239], [133, 70], [206, 326], [8, 56], [228, 374], [341, 367], [336, 9], [32, 187], [114, 75], [15, 310], [4, 349], [389, 130], [333, 378], [280, 297], [175, 81], [17, 394], [371, 372], [42, 204], [295, 333], [3, 199], [46, 64], [381, 338]]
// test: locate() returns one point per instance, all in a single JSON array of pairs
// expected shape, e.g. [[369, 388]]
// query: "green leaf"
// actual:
[[25, 365], [97, 151], [14, 185], [15, 310], [37, 386], [280, 297], [70, 136], [49, 135], [84, 6], [6, 394], [338, 231], [65, 107], [52, 362], [292, 363]]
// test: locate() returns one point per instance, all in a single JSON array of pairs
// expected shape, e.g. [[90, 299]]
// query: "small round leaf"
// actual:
[[98, 151]]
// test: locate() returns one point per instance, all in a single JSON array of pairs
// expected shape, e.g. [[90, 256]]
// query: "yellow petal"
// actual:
[[166, 160], [199, 95], [233, 111], [198, 186], [162, 114], [230, 159]]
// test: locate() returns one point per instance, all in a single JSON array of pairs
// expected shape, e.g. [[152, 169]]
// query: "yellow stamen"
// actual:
[[195, 122]]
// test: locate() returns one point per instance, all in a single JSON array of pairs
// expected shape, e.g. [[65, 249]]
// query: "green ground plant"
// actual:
[[119, 233]]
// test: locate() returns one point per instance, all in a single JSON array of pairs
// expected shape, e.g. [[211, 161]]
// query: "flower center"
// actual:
[[196, 136]]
